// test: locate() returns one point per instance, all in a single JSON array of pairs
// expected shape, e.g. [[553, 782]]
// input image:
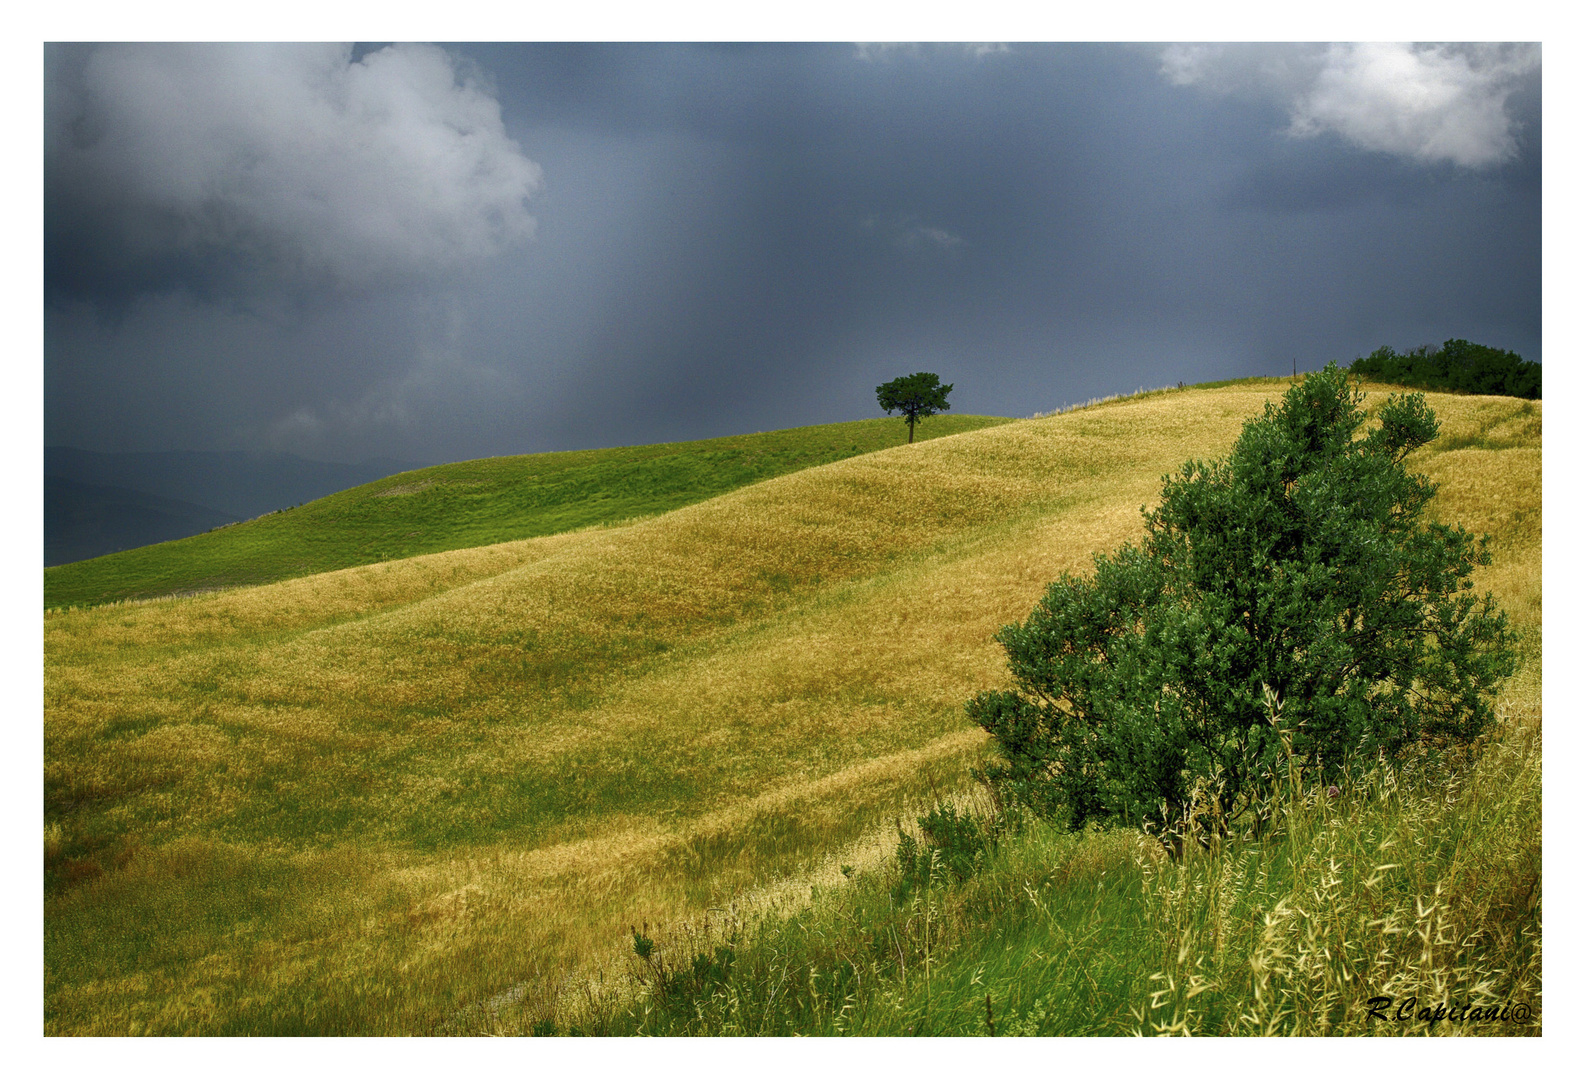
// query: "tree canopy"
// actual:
[[1296, 570], [915, 396], [1457, 365]]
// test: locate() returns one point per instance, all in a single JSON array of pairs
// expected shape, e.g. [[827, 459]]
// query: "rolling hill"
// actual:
[[445, 507], [370, 799]]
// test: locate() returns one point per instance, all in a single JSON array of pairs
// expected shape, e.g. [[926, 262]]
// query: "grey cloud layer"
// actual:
[[279, 166], [735, 238]]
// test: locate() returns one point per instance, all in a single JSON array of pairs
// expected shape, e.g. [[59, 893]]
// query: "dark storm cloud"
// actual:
[[735, 238], [1096, 215], [226, 169], [917, 208]]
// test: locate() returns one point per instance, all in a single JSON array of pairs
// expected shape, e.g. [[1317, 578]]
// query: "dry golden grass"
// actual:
[[368, 800]]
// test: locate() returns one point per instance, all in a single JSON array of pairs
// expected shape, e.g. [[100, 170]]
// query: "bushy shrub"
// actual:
[[1297, 567]]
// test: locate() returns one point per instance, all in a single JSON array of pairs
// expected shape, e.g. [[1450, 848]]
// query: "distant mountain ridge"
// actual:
[[97, 503]]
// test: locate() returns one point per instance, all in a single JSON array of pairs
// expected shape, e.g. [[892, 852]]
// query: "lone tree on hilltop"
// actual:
[[1294, 571], [914, 396]]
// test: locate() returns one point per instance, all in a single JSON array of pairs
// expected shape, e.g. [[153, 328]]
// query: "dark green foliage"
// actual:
[[1296, 568], [642, 944], [673, 987], [1457, 365], [955, 844], [914, 396]]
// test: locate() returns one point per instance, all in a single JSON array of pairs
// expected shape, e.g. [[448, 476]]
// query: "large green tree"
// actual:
[[915, 396], [1297, 566]]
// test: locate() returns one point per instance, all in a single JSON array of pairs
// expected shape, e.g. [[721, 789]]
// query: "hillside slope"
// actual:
[[361, 801], [471, 503]]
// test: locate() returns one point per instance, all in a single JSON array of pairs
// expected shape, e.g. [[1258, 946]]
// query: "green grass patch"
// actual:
[[1421, 887], [471, 504]]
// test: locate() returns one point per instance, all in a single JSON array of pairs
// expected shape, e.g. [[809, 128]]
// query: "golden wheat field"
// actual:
[[370, 800]]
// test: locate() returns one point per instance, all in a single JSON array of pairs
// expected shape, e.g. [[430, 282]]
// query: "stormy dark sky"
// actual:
[[437, 253]]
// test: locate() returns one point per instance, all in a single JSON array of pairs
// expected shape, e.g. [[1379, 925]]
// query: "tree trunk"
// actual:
[[911, 420]]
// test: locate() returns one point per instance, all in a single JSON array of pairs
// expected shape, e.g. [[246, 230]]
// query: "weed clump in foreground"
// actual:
[[954, 845], [1297, 566]]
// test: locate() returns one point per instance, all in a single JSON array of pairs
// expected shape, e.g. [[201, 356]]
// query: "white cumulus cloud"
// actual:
[[1428, 103], [1432, 103], [298, 161]]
